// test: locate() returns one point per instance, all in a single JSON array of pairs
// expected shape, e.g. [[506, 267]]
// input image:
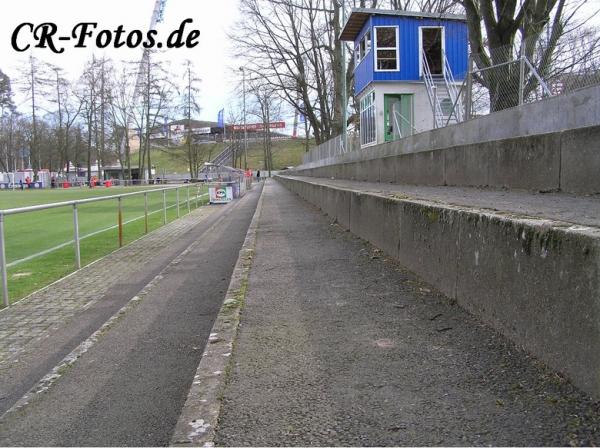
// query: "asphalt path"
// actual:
[[44, 353], [340, 345], [128, 389]]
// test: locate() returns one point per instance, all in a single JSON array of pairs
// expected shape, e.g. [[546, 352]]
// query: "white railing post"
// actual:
[[538, 77], [164, 206], [120, 219], [188, 198], [521, 78], [145, 212], [435, 99], [177, 199], [3, 263], [76, 236]]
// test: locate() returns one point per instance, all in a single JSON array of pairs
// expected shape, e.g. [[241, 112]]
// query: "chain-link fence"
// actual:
[[529, 71]]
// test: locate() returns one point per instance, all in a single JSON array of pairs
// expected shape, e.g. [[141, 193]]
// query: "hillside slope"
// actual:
[[171, 160]]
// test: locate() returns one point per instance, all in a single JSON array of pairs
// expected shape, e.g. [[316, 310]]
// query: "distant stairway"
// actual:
[[225, 157]]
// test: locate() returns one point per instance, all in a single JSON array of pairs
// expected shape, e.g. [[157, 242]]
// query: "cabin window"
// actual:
[[365, 44], [363, 47], [367, 119], [386, 48]]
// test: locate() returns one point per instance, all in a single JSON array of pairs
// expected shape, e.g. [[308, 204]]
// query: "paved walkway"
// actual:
[[137, 323], [38, 331], [35, 317], [339, 345]]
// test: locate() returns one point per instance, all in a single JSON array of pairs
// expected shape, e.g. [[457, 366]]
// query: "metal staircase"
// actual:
[[443, 94], [225, 157]]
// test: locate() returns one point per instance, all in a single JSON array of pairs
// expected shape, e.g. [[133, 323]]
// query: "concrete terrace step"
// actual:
[[564, 207], [528, 264], [340, 346]]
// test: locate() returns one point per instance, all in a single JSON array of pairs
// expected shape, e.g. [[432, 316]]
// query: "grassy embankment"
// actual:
[[285, 153]]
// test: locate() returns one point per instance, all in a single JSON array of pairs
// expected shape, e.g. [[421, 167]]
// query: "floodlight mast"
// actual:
[[242, 69], [157, 17]]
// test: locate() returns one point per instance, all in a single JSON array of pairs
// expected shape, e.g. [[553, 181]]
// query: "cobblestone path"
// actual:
[[38, 315]]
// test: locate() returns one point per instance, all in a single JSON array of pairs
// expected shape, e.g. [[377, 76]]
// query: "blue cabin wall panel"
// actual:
[[455, 41], [363, 73]]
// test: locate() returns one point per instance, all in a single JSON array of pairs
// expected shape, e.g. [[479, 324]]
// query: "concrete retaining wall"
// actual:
[[566, 161], [536, 281], [560, 113]]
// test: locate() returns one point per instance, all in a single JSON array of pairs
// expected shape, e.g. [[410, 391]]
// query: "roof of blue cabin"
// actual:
[[359, 16]]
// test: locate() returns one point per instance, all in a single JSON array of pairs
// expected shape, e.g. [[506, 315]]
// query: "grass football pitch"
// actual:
[[33, 239]]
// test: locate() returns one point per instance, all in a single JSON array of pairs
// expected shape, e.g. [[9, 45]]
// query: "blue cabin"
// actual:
[[408, 68]]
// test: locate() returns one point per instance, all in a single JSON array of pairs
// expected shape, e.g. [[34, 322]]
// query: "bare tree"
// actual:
[[265, 104], [18, 136], [190, 107], [121, 115], [7, 119], [104, 67], [6, 94], [435, 6], [293, 46], [34, 82], [67, 111], [88, 94], [154, 92], [502, 30], [235, 118]]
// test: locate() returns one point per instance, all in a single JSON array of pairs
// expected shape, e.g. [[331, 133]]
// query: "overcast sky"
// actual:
[[211, 57]]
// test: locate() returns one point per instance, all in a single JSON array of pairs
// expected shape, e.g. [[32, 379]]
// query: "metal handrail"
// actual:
[[223, 155], [538, 77], [451, 86], [33, 208], [402, 117], [431, 94], [76, 237], [462, 86]]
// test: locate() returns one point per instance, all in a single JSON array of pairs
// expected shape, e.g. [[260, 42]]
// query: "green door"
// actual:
[[398, 116]]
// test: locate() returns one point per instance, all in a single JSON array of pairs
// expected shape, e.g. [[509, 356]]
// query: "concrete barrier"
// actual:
[[567, 161], [535, 280], [580, 161], [577, 109]]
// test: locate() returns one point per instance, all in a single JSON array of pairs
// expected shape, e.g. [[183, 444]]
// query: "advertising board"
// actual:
[[220, 194], [259, 126]]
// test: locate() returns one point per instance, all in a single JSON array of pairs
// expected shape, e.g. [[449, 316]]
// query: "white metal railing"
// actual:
[[403, 119], [331, 148], [76, 237], [432, 94], [452, 90], [223, 155]]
